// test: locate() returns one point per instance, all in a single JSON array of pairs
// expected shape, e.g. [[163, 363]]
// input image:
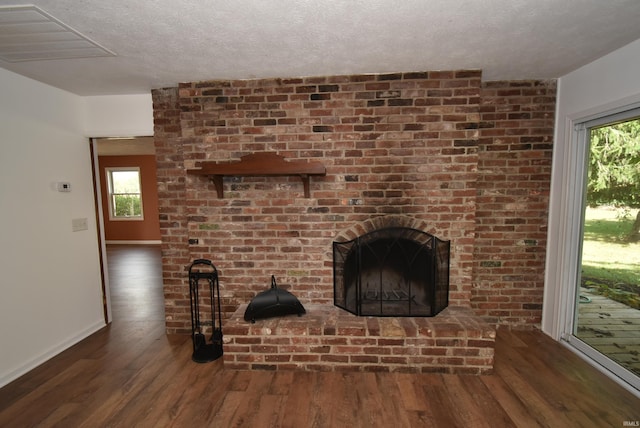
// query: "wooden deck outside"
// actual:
[[612, 328]]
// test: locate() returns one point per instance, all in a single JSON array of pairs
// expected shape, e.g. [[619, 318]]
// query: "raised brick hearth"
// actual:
[[330, 339]]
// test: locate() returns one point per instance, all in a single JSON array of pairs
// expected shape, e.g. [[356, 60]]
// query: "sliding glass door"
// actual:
[[606, 319]]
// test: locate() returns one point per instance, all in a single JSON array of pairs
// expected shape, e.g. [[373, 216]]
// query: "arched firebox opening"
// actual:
[[392, 271]]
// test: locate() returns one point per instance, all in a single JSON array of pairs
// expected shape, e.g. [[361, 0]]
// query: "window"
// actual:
[[125, 193]]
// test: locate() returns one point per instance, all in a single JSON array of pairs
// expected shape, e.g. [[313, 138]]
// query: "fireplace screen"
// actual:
[[394, 271]]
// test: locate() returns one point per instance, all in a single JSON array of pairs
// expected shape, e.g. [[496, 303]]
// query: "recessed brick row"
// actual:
[[514, 174]]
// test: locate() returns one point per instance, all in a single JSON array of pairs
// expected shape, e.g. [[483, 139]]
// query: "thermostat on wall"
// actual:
[[64, 187]]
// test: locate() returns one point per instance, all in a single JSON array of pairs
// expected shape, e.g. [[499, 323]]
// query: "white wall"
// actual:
[[606, 85], [50, 288], [119, 116], [51, 295]]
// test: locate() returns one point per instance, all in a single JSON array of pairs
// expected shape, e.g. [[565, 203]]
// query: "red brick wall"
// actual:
[[402, 144], [514, 172], [172, 208]]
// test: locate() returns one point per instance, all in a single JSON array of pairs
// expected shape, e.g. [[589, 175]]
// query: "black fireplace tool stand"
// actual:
[[204, 350]]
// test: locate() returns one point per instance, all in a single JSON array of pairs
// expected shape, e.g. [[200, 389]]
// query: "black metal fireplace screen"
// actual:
[[395, 271]]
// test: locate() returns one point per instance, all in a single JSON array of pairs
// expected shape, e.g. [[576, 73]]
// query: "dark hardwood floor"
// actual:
[[132, 374]]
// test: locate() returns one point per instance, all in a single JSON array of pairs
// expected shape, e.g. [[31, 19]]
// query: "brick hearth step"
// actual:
[[327, 338]]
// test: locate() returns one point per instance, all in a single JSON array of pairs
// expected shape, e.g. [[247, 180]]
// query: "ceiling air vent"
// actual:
[[27, 33]]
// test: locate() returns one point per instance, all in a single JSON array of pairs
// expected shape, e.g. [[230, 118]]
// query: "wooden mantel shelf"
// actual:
[[259, 164]]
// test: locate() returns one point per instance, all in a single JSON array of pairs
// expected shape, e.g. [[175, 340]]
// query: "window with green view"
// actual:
[[125, 194]]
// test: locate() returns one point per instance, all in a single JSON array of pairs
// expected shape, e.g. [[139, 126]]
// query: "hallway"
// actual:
[[135, 277]]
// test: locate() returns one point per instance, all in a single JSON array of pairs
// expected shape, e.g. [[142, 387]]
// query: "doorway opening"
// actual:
[[120, 154]]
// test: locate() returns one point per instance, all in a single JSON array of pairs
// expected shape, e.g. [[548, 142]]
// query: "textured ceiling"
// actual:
[[160, 43]]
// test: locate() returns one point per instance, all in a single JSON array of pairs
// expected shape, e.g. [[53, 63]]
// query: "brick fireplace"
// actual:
[[463, 160], [394, 269]]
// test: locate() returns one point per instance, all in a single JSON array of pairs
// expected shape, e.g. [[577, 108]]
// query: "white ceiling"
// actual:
[[161, 43]]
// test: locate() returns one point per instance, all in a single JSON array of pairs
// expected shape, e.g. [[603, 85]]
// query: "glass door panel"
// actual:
[[607, 316]]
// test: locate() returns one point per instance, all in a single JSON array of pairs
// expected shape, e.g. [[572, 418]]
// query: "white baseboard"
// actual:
[[153, 242], [49, 353]]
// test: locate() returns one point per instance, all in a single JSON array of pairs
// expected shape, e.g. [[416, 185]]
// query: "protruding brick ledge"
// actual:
[[330, 339]]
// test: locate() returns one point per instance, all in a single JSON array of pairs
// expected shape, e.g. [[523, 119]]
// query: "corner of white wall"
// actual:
[[51, 289]]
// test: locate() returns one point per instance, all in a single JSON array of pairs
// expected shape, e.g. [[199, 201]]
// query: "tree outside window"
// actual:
[[125, 193], [614, 165]]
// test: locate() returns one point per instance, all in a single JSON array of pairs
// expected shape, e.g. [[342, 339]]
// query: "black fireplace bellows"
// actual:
[[274, 302]]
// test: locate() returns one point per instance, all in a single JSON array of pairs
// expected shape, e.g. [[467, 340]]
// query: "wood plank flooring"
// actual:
[[132, 374]]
